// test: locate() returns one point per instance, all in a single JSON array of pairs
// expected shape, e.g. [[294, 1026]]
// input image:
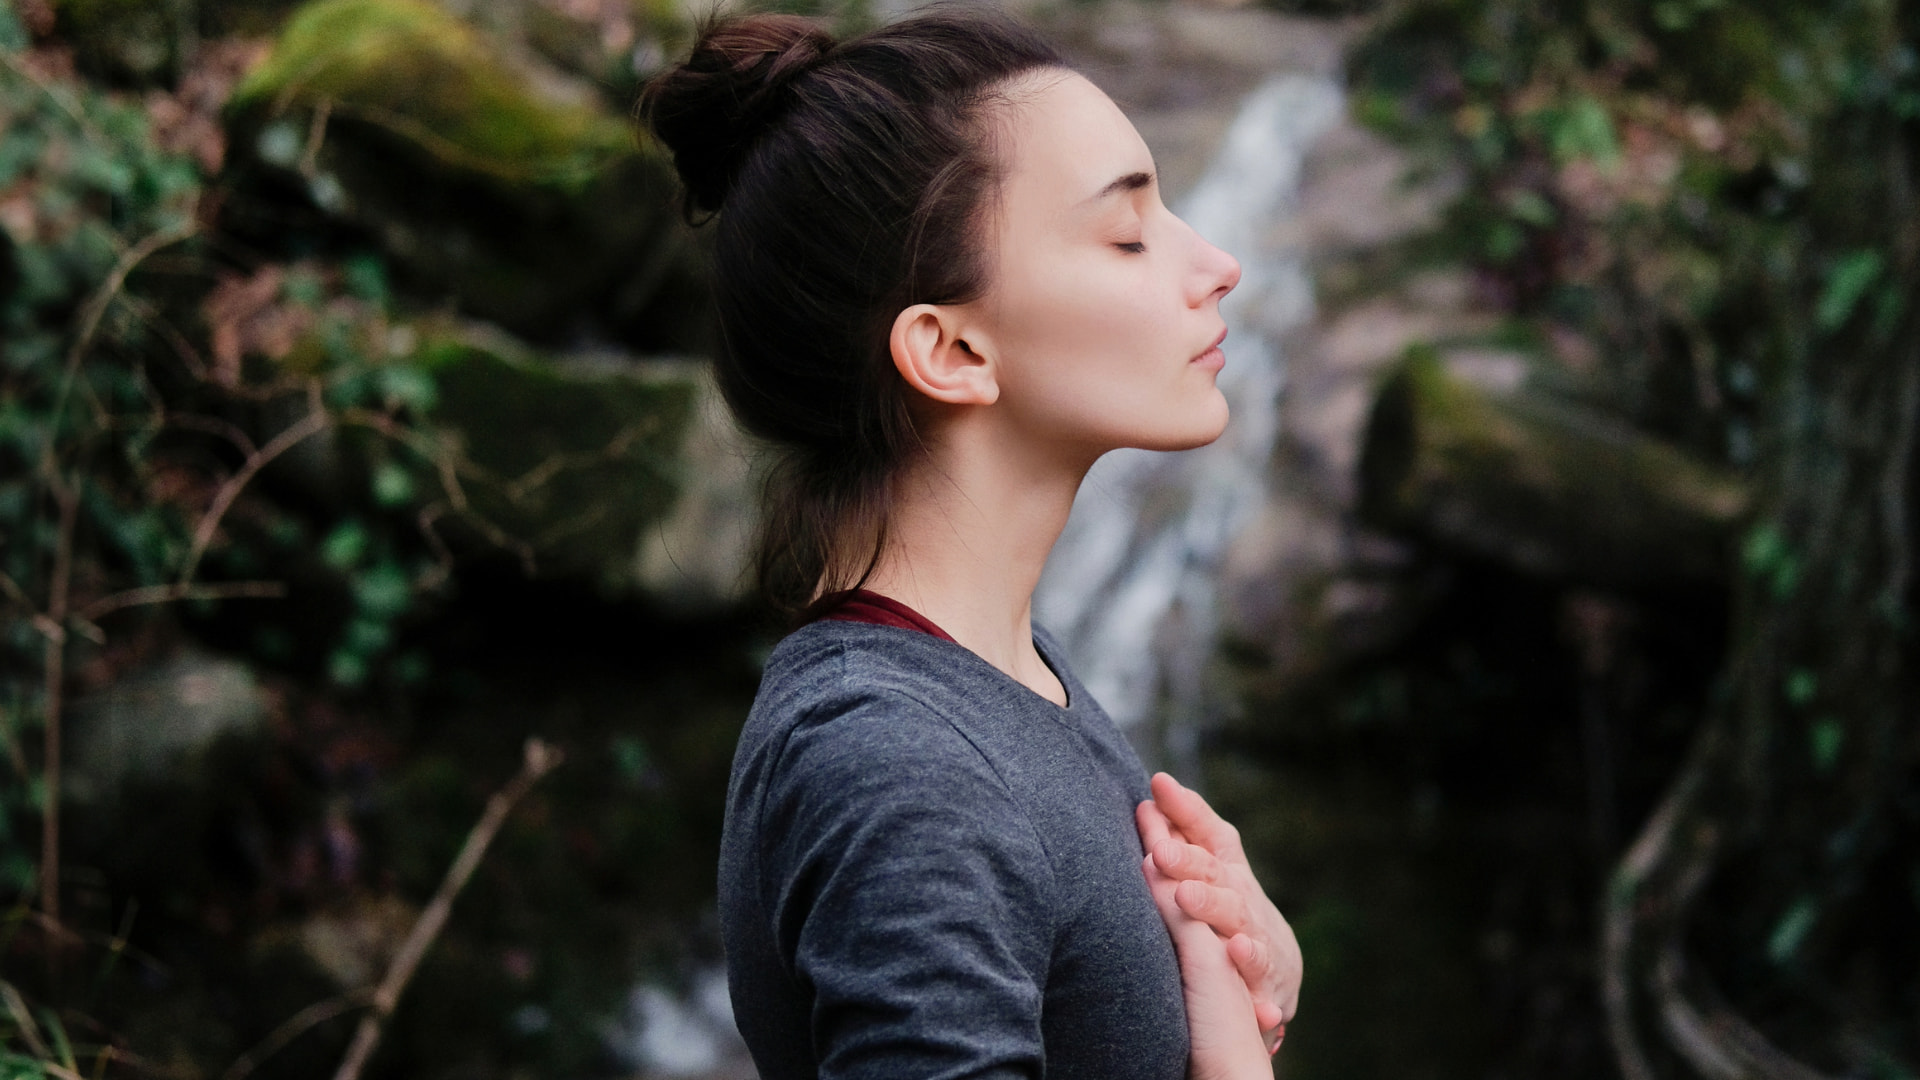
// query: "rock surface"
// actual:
[[154, 723], [509, 188]]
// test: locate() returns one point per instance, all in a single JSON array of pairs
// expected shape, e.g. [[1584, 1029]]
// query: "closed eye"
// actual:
[[1135, 247]]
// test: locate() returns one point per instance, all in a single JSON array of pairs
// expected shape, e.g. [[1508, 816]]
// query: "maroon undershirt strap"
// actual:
[[859, 605]]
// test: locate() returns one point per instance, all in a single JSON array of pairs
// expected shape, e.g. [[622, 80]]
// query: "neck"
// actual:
[[969, 531]]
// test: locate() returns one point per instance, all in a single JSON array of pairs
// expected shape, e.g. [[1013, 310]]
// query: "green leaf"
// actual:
[[1824, 740], [57, 1032], [366, 278], [346, 668], [630, 759], [1763, 550], [368, 637], [1504, 241], [392, 485], [404, 385], [1847, 282], [1581, 129], [1765, 555], [1792, 930], [1531, 207], [384, 591], [17, 871], [1801, 686], [304, 287], [345, 546]]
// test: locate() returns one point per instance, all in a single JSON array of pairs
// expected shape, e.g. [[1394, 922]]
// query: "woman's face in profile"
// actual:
[[1104, 308]]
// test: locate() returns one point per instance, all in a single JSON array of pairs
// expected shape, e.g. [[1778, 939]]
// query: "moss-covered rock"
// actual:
[[496, 184], [412, 68], [1542, 485], [575, 461]]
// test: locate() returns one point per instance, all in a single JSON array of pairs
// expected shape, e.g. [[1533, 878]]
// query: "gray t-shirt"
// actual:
[[930, 871]]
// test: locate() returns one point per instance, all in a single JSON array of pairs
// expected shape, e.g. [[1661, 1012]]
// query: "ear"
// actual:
[[932, 355]]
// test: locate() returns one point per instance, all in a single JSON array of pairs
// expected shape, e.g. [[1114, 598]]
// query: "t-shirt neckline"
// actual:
[[874, 609]]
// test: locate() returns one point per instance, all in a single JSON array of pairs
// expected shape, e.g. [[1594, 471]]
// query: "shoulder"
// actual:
[[878, 689], [865, 722]]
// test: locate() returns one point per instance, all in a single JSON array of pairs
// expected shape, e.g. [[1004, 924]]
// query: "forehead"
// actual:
[[1063, 140]]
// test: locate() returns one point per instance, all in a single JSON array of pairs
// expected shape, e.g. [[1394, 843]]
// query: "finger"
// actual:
[[1152, 825], [1222, 909], [1254, 962], [1184, 928], [1188, 812], [1188, 862]]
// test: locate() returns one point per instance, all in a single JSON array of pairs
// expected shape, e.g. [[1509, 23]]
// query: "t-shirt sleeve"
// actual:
[[909, 894]]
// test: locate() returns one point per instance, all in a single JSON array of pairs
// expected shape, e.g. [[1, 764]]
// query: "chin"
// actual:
[[1202, 428]]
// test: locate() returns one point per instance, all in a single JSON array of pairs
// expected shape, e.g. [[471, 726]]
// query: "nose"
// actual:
[[1215, 272]]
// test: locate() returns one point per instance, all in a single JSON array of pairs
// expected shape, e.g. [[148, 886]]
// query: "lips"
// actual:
[[1213, 357]]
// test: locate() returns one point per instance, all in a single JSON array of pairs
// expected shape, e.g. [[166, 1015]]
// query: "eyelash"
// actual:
[[1135, 248]]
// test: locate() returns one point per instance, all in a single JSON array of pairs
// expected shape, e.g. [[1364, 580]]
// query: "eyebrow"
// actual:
[[1133, 181]]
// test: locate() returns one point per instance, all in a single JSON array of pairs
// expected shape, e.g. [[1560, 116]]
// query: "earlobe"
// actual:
[[930, 354]]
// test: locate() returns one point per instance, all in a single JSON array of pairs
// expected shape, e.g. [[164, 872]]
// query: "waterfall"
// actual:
[[1131, 587]]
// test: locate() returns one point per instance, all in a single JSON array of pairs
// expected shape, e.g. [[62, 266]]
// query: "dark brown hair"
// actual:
[[848, 180]]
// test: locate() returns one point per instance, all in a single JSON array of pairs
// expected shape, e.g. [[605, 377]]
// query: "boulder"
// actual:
[[156, 722], [1496, 467], [495, 183], [577, 457]]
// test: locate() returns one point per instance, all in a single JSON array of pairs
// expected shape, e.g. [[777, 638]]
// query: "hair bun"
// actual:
[[709, 110]]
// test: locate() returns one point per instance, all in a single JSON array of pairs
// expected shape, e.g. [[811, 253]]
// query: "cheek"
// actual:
[[1086, 311]]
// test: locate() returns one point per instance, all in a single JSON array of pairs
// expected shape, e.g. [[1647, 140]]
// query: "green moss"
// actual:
[[1541, 482], [417, 71], [577, 462]]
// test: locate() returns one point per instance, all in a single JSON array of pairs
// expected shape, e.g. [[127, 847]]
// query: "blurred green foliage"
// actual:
[[1701, 213], [232, 382]]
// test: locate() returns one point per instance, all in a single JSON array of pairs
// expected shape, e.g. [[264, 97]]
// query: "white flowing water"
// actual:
[[1132, 587]]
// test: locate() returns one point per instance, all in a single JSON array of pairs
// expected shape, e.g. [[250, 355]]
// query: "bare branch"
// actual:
[[59, 97], [213, 425], [96, 309], [54, 678], [16, 755], [163, 594], [1718, 1043], [556, 463], [309, 164], [153, 320], [540, 760], [295, 1026], [13, 590], [311, 424]]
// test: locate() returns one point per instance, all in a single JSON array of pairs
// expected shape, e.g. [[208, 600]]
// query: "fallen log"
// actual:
[[1548, 487]]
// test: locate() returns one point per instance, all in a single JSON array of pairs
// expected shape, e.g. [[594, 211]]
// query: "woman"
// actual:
[[946, 285]]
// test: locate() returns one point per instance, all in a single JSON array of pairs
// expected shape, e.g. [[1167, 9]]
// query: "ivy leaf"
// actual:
[[1581, 129], [1824, 740], [384, 591], [1791, 930], [1847, 282], [392, 485], [1801, 686], [345, 546]]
